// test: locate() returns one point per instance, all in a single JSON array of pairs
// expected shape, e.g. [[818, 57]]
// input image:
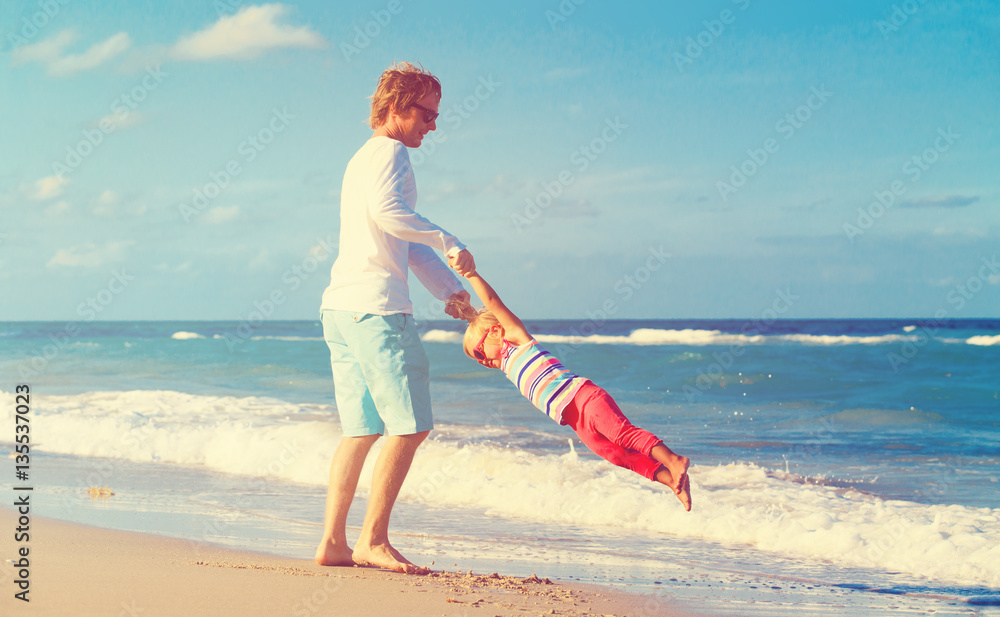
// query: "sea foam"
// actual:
[[736, 504], [696, 338], [183, 336], [984, 340], [442, 336]]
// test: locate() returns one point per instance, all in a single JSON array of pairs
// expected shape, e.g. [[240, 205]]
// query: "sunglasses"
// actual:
[[479, 353], [429, 114]]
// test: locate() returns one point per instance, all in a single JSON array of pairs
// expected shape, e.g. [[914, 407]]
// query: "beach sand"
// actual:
[[80, 570]]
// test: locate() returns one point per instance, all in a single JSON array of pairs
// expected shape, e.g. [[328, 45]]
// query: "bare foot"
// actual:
[[328, 554], [673, 473], [386, 557], [684, 492]]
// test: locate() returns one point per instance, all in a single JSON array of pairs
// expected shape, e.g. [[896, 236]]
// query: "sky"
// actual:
[[728, 159]]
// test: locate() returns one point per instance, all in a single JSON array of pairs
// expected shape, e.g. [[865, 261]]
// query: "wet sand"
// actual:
[[81, 570]]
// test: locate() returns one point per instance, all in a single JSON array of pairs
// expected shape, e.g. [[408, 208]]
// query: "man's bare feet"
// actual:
[[383, 555], [673, 473], [328, 554]]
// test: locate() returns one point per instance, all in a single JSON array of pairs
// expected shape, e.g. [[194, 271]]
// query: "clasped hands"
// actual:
[[463, 263], [458, 305]]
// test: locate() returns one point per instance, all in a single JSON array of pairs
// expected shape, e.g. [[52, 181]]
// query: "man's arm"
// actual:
[[440, 281], [391, 213], [432, 272]]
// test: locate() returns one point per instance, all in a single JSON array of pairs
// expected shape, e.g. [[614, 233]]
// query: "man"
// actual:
[[380, 370]]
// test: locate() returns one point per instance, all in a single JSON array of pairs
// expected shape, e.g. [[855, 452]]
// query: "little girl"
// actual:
[[496, 338]]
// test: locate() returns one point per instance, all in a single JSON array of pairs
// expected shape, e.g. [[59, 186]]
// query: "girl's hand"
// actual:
[[463, 263]]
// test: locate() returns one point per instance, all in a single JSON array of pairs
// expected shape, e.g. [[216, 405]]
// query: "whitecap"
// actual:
[[183, 336], [985, 341], [442, 336]]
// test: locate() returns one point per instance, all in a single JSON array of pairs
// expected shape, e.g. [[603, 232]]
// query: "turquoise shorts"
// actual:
[[381, 375]]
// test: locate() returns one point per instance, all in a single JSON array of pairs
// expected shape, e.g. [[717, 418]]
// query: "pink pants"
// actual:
[[596, 418]]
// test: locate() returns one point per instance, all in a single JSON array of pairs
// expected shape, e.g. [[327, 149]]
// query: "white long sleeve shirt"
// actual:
[[382, 237]]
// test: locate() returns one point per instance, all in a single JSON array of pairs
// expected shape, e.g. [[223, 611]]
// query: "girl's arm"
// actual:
[[514, 330]]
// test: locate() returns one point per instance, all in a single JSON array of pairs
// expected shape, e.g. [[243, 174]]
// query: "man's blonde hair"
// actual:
[[478, 325], [399, 87]]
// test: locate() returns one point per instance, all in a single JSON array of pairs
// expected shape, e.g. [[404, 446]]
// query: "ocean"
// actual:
[[839, 467]]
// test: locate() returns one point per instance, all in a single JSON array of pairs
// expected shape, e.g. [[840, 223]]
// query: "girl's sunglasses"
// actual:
[[479, 353], [429, 114]]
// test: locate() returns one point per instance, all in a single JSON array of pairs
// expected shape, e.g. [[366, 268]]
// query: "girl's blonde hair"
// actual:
[[479, 323], [399, 87]]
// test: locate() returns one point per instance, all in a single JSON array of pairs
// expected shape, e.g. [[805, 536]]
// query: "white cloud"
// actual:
[[46, 188], [97, 55], [972, 232], [110, 204], [106, 205], [90, 255], [50, 53], [184, 267], [262, 262], [566, 72], [108, 198], [950, 201], [57, 210], [221, 214], [104, 210], [44, 51], [852, 274], [247, 34], [636, 179], [121, 119], [139, 59]]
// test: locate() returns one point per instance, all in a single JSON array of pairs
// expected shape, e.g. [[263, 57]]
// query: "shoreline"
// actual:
[[83, 570]]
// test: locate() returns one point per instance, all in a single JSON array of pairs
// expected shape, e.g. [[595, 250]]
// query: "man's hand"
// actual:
[[459, 307], [463, 263]]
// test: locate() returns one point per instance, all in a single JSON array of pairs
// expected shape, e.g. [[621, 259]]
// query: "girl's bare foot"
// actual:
[[684, 492], [329, 554], [673, 473], [383, 555]]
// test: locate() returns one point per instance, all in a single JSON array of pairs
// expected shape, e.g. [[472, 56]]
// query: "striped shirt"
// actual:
[[540, 377]]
